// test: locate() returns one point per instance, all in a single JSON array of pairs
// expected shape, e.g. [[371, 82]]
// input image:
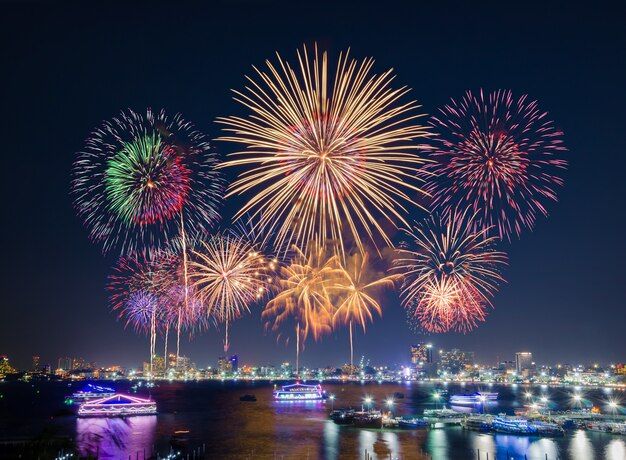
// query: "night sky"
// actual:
[[67, 67]]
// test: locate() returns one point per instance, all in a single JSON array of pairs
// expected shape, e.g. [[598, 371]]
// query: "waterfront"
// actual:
[[214, 416]]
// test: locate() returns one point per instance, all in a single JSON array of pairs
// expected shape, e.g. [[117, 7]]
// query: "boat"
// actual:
[[441, 413], [512, 425], [478, 423], [89, 392], [299, 392], [117, 406], [412, 423], [548, 429], [342, 416], [248, 398], [369, 419], [474, 398]]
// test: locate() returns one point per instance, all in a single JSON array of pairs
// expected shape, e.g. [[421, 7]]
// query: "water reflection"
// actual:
[[115, 437], [580, 447], [543, 448], [484, 446], [616, 450]]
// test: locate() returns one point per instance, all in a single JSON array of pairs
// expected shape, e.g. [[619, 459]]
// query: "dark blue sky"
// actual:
[[67, 67]]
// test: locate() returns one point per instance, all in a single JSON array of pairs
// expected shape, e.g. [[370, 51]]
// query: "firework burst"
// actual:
[[304, 295], [140, 177], [355, 287], [229, 276], [329, 159], [498, 156], [450, 274]]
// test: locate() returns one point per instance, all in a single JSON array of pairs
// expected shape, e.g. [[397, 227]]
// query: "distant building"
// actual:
[[422, 359], [158, 365], [5, 367], [223, 365], [35, 365], [234, 364], [78, 364], [183, 364], [455, 361], [524, 363], [65, 363], [171, 361]]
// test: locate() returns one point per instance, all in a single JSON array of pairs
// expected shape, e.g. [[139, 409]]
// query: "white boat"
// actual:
[[117, 406], [299, 392], [479, 397]]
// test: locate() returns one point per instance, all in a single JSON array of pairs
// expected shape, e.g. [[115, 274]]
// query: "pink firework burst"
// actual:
[[499, 156]]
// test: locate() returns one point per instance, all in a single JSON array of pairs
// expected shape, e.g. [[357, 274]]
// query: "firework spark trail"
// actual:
[[354, 286], [137, 174], [498, 156], [450, 273], [229, 277], [331, 159]]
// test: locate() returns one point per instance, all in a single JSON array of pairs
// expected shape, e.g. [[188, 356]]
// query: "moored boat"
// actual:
[[412, 423], [474, 398], [478, 423], [369, 419], [342, 416], [512, 425], [248, 398]]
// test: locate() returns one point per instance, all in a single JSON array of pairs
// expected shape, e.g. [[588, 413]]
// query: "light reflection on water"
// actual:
[[110, 437], [268, 429]]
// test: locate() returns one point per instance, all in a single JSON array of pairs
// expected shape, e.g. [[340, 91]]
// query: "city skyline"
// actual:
[[563, 299]]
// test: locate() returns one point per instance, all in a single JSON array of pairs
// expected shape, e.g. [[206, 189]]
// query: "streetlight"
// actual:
[[482, 402], [389, 404], [529, 395], [332, 402], [436, 397], [368, 401]]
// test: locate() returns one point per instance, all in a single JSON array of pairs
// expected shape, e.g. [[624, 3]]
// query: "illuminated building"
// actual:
[[223, 365], [524, 363], [5, 367], [65, 363], [455, 361], [171, 361], [183, 364], [234, 364], [158, 365], [422, 358], [78, 364], [35, 365]]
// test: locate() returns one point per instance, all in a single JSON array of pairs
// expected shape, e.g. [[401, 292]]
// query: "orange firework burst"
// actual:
[[304, 295], [333, 159], [355, 287], [451, 275]]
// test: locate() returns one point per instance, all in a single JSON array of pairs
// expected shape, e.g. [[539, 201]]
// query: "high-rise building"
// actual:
[[223, 365], [171, 361], [421, 354], [524, 363], [183, 364], [456, 361], [158, 365], [234, 364], [35, 365], [78, 364], [5, 367], [65, 363]]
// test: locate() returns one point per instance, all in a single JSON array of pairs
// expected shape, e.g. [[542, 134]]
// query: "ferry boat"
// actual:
[[412, 423], [441, 413], [299, 392], [369, 419], [89, 392], [342, 416], [478, 423], [512, 425], [548, 429], [474, 398], [117, 406]]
